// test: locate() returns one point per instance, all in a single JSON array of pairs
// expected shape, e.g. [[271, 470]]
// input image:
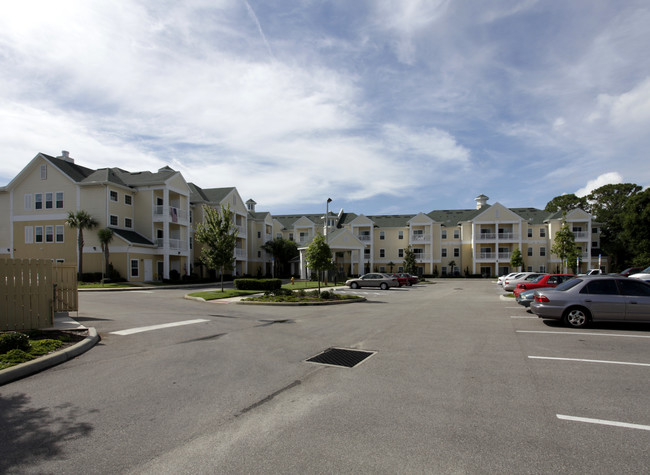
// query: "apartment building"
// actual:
[[148, 213], [152, 215]]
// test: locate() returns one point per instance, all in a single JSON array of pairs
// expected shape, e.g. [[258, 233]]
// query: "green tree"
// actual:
[[609, 208], [319, 256], [566, 203], [516, 259], [80, 221], [219, 235], [564, 245], [409, 261], [452, 264], [105, 236], [282, 251], [636, 227]]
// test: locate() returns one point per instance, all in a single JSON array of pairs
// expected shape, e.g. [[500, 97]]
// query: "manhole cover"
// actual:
[[341, 357]]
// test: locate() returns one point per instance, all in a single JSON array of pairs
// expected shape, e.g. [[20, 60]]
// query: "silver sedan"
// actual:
[[587, 299], [383, 281]]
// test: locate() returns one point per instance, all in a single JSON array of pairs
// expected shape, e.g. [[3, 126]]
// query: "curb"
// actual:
[[32, 367], [298, 304]]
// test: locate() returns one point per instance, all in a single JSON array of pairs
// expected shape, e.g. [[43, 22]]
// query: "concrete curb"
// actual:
[[298, 304], [31, 367]]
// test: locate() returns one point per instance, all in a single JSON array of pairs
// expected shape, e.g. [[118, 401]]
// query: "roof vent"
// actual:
[[481, 201]]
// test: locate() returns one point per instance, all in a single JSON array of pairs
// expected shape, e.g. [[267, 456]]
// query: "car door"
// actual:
[[602, 298], [637, 300], [371, 280]]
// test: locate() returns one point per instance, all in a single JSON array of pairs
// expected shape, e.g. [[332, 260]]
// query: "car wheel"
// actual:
[[576, 317], [354, 285], [384, 286]]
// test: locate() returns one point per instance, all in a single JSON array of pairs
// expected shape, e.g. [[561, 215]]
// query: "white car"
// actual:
[[510, 284], [504, 277], [643, 275]]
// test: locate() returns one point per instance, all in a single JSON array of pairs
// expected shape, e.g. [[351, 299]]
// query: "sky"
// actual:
[[386, 107]]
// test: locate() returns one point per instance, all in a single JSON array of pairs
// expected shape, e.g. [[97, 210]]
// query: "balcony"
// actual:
[[175, 244], [174, 214], [241, 231], [363, 237], [580, 235], [416, 237], [486, 237], [508, 236], [240, 254]]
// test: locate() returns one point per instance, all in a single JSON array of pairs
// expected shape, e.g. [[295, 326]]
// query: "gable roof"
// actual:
[[132, 237]]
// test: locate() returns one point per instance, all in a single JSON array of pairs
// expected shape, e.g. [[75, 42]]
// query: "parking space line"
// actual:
[[626, 425], [131, 331], [584, 333], [524, 316], [588, 361]]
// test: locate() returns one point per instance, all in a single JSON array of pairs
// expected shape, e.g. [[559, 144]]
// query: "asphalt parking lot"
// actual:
[[459, 381]]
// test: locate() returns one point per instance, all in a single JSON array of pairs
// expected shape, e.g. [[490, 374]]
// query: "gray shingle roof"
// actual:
[[132, 237]]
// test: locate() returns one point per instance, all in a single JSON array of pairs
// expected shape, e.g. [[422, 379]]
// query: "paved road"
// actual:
[[462, 382]]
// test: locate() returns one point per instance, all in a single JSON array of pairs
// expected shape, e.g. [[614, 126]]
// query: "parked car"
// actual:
[[510, 284], [581, 300], [643, 275], [631, 270], [592, 272], [548, 280], [504, 277], [383, 281], [526, 297], [412, 279], [400, 280]]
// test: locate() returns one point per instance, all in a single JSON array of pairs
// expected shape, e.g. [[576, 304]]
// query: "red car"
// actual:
[[412, 279], [547, 280], [400, 279]]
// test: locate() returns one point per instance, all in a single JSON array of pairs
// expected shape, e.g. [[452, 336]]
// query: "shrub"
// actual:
[[174, 275], [43, 347], [91, 277], [14, 341], [326, 295], [258, 284], [279, 292], [14, 357]]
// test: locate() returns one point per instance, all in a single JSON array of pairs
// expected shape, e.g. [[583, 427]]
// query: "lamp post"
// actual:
[[327, 212]]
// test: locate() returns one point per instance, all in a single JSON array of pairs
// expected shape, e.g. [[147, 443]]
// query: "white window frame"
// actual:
[[456, 234], [128, 200], [443, 252], [110, 220], [136, 268], [400, 234], [38, 200], [44, 172], [530, 232], [38, 231], [49, 234], [49, 200], [443, 234], [28, 200], [59, 231], [112, 193], [56, 200], [542, 251], [382, 235], [400, 253], [382, 252], [456, 252], [542, 232], [128, 223]]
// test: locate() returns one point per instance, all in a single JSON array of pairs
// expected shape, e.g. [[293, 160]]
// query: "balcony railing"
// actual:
[[364, 237], [175, 214], [581, 235], [487, 236], [420, 237], [508, 236], [176, 244], [240, 253]]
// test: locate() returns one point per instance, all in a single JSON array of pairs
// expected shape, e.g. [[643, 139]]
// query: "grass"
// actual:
[[303, 297], [218, 294], [307, 284], [40, 343], [108, 285]]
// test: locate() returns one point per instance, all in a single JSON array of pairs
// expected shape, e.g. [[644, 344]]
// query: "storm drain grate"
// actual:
[[341, 357]]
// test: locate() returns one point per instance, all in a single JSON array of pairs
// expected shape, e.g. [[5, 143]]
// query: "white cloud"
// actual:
[[610, 178]]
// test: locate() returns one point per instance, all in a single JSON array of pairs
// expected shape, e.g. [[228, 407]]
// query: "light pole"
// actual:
[[327, 212]]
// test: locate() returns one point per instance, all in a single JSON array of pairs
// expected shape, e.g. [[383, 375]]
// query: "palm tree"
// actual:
[[105, 237], [80, 220]]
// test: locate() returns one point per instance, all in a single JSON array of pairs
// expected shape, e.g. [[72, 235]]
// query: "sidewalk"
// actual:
[[62, 321]]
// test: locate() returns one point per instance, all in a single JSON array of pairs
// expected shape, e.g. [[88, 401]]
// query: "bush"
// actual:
[[279, 292], [91, 277], [258, 284], [174, 275], [14, 357], [326, 295], [14, 341], [43, 347]]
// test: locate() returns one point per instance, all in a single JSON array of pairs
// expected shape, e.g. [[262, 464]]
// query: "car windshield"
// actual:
[[537, 279], [568, 284], [645, 271]]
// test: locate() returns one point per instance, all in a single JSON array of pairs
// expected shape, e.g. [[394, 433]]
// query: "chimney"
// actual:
[[481, 201], [65, 155]]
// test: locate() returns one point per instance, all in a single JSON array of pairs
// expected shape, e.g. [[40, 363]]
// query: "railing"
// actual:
[[240, 253], [486, 236], [175, 214], [580, 235], [487, 255], [241, 231], [176, 244], [508, 236], [363, 237], [420, 237], [505, 255]]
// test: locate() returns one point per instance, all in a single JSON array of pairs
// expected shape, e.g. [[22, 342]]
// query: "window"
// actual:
[[48, 200], [128, 200], [595, 245], [444, 270], [259, 234], [29, 234], [530, 252], [128, 223], [60, 261], [444, 252], [59, 200], [278, 235], [43, 172], [113, 220], [400, 253], [135, 268], [49, 234], [382, 269], [38, 201], [400, 269], [542, 251], [529, 268], [443, 234], [530, 232], [418, 251], [290, 236], [400, 234], [113, 195], [456, 234], [600, 287], [633, 287], [382, 253], [59, 233], [542, 269], [259, 253], [594, 230], [366, 253], [382, 235], [28, 201], [456, 252], [38, 236], [542, 232]]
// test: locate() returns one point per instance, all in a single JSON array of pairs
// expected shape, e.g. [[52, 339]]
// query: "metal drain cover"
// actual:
[[341, 357]]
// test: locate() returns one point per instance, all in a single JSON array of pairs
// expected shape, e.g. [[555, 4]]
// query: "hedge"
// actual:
[[258, 284]]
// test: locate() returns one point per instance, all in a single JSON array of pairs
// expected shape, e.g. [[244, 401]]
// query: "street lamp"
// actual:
[[327, 212]]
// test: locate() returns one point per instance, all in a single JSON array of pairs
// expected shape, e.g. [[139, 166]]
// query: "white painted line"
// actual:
[[588, 361], [131, 331], [512, 307], [524, 316], [584, 333], [142, 291], [627, 425]]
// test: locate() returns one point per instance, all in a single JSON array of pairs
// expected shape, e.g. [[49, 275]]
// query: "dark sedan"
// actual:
[[587, 299]]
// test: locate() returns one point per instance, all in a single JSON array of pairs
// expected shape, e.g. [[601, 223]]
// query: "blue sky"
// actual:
[[387, 107]]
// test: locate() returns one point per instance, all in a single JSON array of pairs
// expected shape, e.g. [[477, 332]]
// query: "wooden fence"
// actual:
[[31, 290]]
